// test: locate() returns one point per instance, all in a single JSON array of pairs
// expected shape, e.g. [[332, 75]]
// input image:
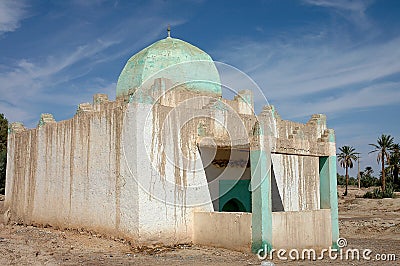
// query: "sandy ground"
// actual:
[[365, 223]]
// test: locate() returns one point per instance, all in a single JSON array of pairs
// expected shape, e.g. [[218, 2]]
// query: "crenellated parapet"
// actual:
[[16, 127], [84, 108], [100, 98], [46, 119], [164, 92], [245, 102], [100, 103], [312, 138]]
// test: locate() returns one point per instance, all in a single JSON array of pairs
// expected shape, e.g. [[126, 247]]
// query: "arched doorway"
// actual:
[[233, 205]]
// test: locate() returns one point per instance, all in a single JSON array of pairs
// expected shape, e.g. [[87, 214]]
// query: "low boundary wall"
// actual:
[[305, 229], [230, 230]]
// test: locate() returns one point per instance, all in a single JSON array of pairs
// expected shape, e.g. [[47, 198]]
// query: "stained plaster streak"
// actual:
[[23, 189], [158, 154], [71, 162], [118, 124], [167, 130], [297, 180], [32, 171]]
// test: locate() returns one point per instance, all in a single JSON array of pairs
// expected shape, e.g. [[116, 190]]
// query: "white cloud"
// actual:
[[14, 113], [89, 2], [25, 85], [352, 10], [36, 75], [30, 84], [348, 79], [11, 13], [358, 6], [380, 94], [300, 70]]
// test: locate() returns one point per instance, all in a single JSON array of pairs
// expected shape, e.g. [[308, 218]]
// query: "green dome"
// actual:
[[174, 59]]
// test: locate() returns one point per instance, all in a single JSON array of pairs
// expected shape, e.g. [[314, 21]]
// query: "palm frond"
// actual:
[[346, 156]]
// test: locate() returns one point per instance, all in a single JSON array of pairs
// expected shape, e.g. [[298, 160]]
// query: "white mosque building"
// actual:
[[172, 161]]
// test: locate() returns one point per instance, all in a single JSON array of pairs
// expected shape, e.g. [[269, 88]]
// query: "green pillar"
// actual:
[[328, 192], [260, 163]]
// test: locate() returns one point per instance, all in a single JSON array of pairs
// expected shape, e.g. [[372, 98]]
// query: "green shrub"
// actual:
[[3, 165], [369, 181], [368, 195], [389, 192], [378, 194]]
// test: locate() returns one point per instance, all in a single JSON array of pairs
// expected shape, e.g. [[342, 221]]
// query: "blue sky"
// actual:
[[341, 58]]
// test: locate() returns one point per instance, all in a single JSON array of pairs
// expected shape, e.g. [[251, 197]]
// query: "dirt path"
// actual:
[[366, 224]]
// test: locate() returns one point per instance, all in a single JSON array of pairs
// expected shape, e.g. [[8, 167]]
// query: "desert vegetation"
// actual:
[[386, 182]]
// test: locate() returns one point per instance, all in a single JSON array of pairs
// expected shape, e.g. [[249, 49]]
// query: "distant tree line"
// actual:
[[388, 157], [367, 179]]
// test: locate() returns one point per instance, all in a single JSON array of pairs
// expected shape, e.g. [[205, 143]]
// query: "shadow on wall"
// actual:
[[277, 205], [239, 192], [228, 176]]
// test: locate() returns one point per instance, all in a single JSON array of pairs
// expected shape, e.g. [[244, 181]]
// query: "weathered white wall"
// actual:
[[223, 229], [305, 229], [96, 171], [69, 174], [297, 178], [170, 188]]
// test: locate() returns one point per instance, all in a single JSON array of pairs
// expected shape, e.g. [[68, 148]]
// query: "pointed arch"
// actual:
[[233, 205]]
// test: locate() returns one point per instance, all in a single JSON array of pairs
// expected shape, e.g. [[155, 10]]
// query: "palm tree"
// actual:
[[368, 178], [394, 163], [346, 157], [385, 144], [368, 170]]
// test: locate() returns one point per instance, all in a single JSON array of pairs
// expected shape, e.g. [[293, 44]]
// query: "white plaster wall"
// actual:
[[94, 172], [166, 209], [223, 229], [301, 230], [297, 178], [65, 174]]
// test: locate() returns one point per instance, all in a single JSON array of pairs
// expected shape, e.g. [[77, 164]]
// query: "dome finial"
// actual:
[[169, 31]]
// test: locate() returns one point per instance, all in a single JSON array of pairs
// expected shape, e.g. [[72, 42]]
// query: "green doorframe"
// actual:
[[261, 200], [235, 189], [328, 192]]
